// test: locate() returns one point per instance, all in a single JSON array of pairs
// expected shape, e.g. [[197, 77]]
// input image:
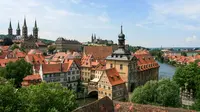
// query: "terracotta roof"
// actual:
[[3, 62], [35, 59], [86, 60], [107, 105], [32, 77], [40, 43], [114, 77], [100, 67], [4, 48], [34, 51], [98, 52], [55, 68], [144, 60], [3, 54]]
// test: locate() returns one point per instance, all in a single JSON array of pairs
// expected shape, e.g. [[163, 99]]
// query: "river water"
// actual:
[[165, 70]]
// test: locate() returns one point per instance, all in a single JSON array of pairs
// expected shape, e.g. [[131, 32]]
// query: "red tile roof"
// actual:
[[55, 68], [145, 60], [35, 51], [3, 62], [4, 48], [35, 59], [98, 52], [114, 77], [40, 43], [32, 77]]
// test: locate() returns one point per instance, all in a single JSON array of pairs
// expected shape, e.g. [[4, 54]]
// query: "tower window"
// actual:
[[121, 67]]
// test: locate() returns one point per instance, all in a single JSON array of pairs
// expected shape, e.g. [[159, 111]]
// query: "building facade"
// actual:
[[112, 85], [127, 65], [64, 45], [68, 74]]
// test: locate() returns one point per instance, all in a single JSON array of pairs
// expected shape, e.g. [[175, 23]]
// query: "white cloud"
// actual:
[[97, 5], [76, 1], [104, 17], [191, 39]]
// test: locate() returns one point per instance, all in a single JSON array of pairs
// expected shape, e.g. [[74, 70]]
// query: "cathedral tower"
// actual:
[[18, 31], [35, 31], [10, 30], [24, 30]]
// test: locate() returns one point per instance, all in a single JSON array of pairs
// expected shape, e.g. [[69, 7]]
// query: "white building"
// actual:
[[68, 74]]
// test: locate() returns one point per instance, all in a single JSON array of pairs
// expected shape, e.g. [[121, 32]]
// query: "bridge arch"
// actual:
[[93, 93]]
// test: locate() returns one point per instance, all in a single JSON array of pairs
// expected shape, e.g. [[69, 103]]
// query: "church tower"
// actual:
[[10, 30], [92, 38], [24, 30], [121, 40], [18, 31], [35, 31]]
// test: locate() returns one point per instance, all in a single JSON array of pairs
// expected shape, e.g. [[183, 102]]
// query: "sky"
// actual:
[[148, 23]]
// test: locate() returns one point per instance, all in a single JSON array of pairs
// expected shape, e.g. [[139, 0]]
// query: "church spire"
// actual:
[[25, 29], [10, 29], [18, 31], [25, 22], [35, 31]]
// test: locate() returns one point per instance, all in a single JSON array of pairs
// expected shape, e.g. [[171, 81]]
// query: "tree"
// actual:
[[51, 49], [189, 74], [8, 99], [7, 41], [164, 92], [17, 71], [14, 46], [183, 54], [46, 97]]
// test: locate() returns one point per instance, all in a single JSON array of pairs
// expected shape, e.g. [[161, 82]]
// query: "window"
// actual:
[[109, 94], [77, 72], [104, 87], [121, 67], [73, 72], [73, 78], [69, 73], [111, 65], [105, 93], [77, 77], [69, 79], [109, 88], [99, 85]]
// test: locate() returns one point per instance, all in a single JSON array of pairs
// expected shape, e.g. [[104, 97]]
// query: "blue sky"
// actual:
[[148, 23]]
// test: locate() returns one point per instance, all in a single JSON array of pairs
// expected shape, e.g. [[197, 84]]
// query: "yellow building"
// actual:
[[112, 85], [128, 66]]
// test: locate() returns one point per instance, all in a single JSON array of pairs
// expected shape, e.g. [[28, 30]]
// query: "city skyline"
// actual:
[[148, 23]]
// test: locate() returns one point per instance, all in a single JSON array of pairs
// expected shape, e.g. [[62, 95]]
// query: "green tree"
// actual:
[[51, 49], [8, 99], [14, 46], [17, 71], [183, 54], [47, 97], [189, 74], [164, 92]]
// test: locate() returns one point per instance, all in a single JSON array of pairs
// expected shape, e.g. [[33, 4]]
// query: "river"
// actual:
[[165, 70]]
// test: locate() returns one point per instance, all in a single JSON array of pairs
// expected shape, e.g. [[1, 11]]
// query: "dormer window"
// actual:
[[120, 56], [121, 67], [111, 65]]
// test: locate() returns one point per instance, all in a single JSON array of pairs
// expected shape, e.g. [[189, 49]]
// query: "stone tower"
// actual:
[[35, 31], [18, 31], [24, 30], [10, 30], [92, 38]]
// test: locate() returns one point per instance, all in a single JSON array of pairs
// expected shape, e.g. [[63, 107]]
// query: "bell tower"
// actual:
[[24, 30], [35, 31], [18, 31], [10, 30]]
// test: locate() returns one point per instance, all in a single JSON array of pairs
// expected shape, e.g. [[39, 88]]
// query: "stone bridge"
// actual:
[[92, 88]]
